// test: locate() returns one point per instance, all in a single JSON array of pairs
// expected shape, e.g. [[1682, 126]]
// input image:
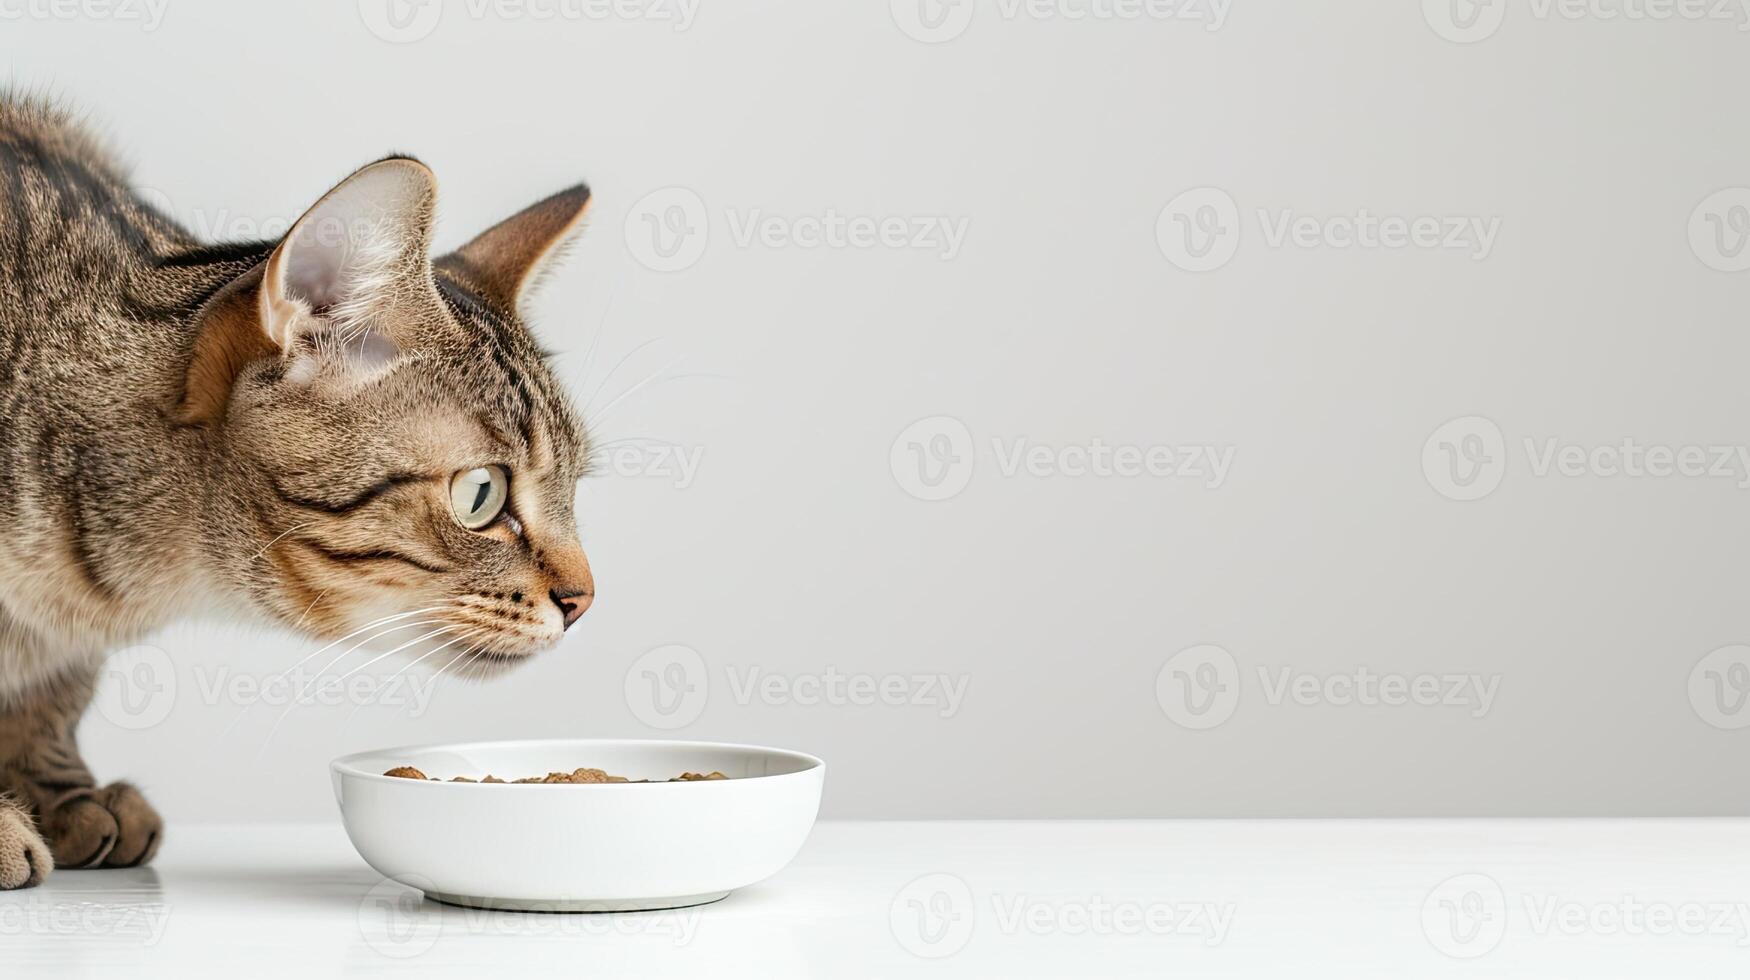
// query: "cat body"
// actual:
[[332, 432]]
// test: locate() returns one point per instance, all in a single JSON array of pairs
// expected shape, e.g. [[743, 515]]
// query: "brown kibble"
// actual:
[[492, 779], [405, 772], [461, 779], [693, 777]]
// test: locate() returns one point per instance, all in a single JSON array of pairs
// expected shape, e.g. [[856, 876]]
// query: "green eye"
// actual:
[[478, 496]]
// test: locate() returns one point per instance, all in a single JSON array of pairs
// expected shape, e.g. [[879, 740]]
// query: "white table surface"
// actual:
[[1595, 898]]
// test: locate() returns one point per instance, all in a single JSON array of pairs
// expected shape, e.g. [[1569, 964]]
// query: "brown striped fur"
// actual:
[[194, 428]]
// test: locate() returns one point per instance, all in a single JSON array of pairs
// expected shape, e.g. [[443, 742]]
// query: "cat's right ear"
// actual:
[[327, 289]]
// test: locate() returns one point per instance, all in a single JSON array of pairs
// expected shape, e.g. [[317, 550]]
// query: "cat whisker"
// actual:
[[278, 538], [418, 639], [374, 624], [308, 608], [602, 386], [600, 330], [355, 647], [601, 415], [409, 666], [362, 629], [302, 691]]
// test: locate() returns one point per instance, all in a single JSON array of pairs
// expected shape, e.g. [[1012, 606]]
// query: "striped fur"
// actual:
[[165, 453]]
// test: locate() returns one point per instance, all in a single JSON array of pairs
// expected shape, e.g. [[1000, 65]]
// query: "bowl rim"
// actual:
[[347, 765]]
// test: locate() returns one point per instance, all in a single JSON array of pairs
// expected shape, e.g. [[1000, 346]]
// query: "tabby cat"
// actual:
[[333, 432]]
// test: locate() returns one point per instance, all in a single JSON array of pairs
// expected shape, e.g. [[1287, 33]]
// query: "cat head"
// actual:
[[401, 461]]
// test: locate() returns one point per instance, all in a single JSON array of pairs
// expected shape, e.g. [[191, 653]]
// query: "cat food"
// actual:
[[575, 776]]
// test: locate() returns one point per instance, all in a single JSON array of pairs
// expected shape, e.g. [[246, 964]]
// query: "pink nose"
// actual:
[[572, 605]]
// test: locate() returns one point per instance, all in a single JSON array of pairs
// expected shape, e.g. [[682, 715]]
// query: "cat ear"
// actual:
[[346, 259], [325, 289], [503, 260]]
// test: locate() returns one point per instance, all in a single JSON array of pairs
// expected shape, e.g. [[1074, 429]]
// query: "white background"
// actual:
[[1069, 315]]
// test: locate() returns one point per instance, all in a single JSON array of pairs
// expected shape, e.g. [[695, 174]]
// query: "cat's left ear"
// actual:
[[328, 294], [349, 259], [502, 261]]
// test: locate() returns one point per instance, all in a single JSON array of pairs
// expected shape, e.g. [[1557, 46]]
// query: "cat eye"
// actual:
[[478, 496]]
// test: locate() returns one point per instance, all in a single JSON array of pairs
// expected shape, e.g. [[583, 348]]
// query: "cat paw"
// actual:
[[24, 858], [112, 827]]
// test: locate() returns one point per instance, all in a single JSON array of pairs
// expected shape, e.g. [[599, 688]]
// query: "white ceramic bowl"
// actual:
[[581, 848]]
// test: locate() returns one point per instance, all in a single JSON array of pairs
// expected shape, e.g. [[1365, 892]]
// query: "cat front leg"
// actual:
[[85, 825], [24, 857]]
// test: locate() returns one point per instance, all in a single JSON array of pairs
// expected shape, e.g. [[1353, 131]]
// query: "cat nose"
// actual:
[[572, 605]]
